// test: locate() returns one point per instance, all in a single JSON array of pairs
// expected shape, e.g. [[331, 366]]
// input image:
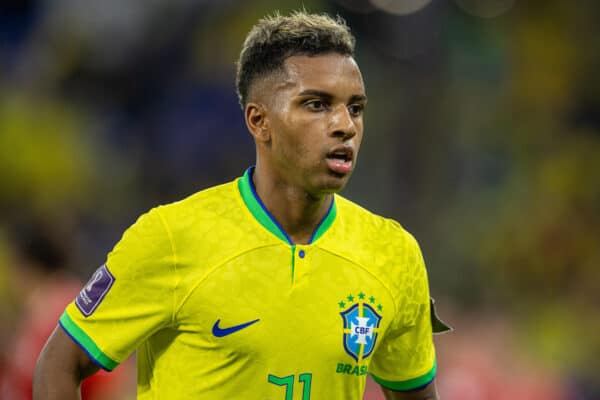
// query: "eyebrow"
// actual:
[[329, 96]]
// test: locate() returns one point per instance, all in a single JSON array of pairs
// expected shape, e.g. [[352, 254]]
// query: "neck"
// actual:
[[297, 211]]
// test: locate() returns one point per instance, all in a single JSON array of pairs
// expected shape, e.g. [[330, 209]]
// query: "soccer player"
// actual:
[[271, 286]]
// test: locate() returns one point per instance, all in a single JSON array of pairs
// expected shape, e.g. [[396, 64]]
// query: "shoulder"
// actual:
[[373, 229], [208, 225], [168, 234], [164, 223], [216, 199], [377, 244], [207, 208]]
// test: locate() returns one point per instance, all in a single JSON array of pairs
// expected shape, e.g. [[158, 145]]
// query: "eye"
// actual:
[[316, 105], [356, 110]]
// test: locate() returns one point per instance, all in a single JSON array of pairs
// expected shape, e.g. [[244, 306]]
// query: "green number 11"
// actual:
[[288, 382]]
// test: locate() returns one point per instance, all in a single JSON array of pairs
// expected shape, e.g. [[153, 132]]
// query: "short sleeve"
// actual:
[[405, 359], [127, 299]]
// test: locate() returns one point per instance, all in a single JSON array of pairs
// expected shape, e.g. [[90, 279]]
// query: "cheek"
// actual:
[[359, 135], [293, 138], [294, 147], [286, 147], [297, 140], [358, 139]]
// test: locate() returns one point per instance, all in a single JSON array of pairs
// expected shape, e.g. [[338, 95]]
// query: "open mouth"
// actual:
[[340, 160], [344, 154]]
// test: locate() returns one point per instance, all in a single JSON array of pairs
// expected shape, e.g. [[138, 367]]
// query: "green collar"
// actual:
[[264, 217]]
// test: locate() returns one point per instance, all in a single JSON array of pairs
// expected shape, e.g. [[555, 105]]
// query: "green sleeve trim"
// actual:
[[86, 343], [410, 384]]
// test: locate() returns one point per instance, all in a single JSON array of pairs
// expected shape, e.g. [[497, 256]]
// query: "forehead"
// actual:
[[334, 73]]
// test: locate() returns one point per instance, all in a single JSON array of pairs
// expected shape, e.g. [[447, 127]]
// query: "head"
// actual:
[[303, 97]]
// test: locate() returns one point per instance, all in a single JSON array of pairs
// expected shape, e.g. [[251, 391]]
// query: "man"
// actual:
[[271, 286]]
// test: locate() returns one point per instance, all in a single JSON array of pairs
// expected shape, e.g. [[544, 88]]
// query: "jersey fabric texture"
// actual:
[[220, 304]]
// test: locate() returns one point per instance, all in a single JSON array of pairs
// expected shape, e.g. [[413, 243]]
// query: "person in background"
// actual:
[[41, 286]]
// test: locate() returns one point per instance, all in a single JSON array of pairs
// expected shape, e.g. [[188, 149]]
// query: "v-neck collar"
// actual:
[[266, 219]]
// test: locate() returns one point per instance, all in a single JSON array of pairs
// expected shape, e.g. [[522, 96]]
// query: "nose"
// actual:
[[342, 124]]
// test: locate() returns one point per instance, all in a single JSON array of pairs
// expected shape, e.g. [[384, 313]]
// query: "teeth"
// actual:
[[340, 155]]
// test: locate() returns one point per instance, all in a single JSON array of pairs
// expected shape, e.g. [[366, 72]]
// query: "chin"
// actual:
[[333, 184]]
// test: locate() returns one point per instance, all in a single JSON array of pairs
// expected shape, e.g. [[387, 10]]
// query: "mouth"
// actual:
[[340, 159]]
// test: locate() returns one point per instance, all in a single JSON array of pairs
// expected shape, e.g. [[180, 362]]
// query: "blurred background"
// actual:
[[482, 137]]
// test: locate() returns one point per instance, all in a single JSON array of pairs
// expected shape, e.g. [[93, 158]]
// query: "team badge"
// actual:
[[361, 325], [94, 291]]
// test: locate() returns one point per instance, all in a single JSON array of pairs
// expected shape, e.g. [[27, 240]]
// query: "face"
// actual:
[[315, 122]]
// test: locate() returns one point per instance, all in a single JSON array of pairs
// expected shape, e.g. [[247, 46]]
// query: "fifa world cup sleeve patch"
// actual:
[[94, 291]]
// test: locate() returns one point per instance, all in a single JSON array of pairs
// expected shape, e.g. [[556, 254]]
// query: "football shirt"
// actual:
[[220, 304]]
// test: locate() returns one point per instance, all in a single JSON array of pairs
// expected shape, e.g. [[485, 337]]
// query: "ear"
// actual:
[[257, 122]]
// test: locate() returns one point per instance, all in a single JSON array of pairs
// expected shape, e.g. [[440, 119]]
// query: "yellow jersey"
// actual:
[[220, 304]]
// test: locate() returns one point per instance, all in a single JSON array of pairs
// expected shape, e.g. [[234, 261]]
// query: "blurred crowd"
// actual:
[[482, 137]]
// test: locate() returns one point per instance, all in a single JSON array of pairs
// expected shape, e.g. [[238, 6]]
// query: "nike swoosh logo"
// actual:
[[220, 332]]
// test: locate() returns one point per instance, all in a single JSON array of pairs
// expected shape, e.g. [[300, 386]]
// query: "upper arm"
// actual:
[[428, 392], [61, 351], [61, 367]]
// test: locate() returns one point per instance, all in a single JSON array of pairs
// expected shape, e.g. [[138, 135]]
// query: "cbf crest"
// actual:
[[361, 325]]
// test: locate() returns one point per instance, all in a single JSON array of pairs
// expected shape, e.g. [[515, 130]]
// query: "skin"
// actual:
[[297, 117], [61, 367]]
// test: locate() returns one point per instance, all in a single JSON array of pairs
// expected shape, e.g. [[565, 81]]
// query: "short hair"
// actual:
[[274, 38]]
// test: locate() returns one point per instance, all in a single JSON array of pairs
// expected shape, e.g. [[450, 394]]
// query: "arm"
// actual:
[[429, 392], [61, 367]]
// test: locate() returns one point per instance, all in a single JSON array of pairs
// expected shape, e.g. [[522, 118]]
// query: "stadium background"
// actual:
[[482, 138]]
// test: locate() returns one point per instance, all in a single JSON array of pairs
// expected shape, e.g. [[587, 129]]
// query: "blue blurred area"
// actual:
[[482, 137]]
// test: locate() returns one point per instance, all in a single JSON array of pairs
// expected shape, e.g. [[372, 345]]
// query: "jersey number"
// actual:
[[288, 382]]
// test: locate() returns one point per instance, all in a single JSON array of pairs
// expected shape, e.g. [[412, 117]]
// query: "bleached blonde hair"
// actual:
[[275, 38]]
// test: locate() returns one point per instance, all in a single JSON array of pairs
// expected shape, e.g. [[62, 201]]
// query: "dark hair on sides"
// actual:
[[275, 38]]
